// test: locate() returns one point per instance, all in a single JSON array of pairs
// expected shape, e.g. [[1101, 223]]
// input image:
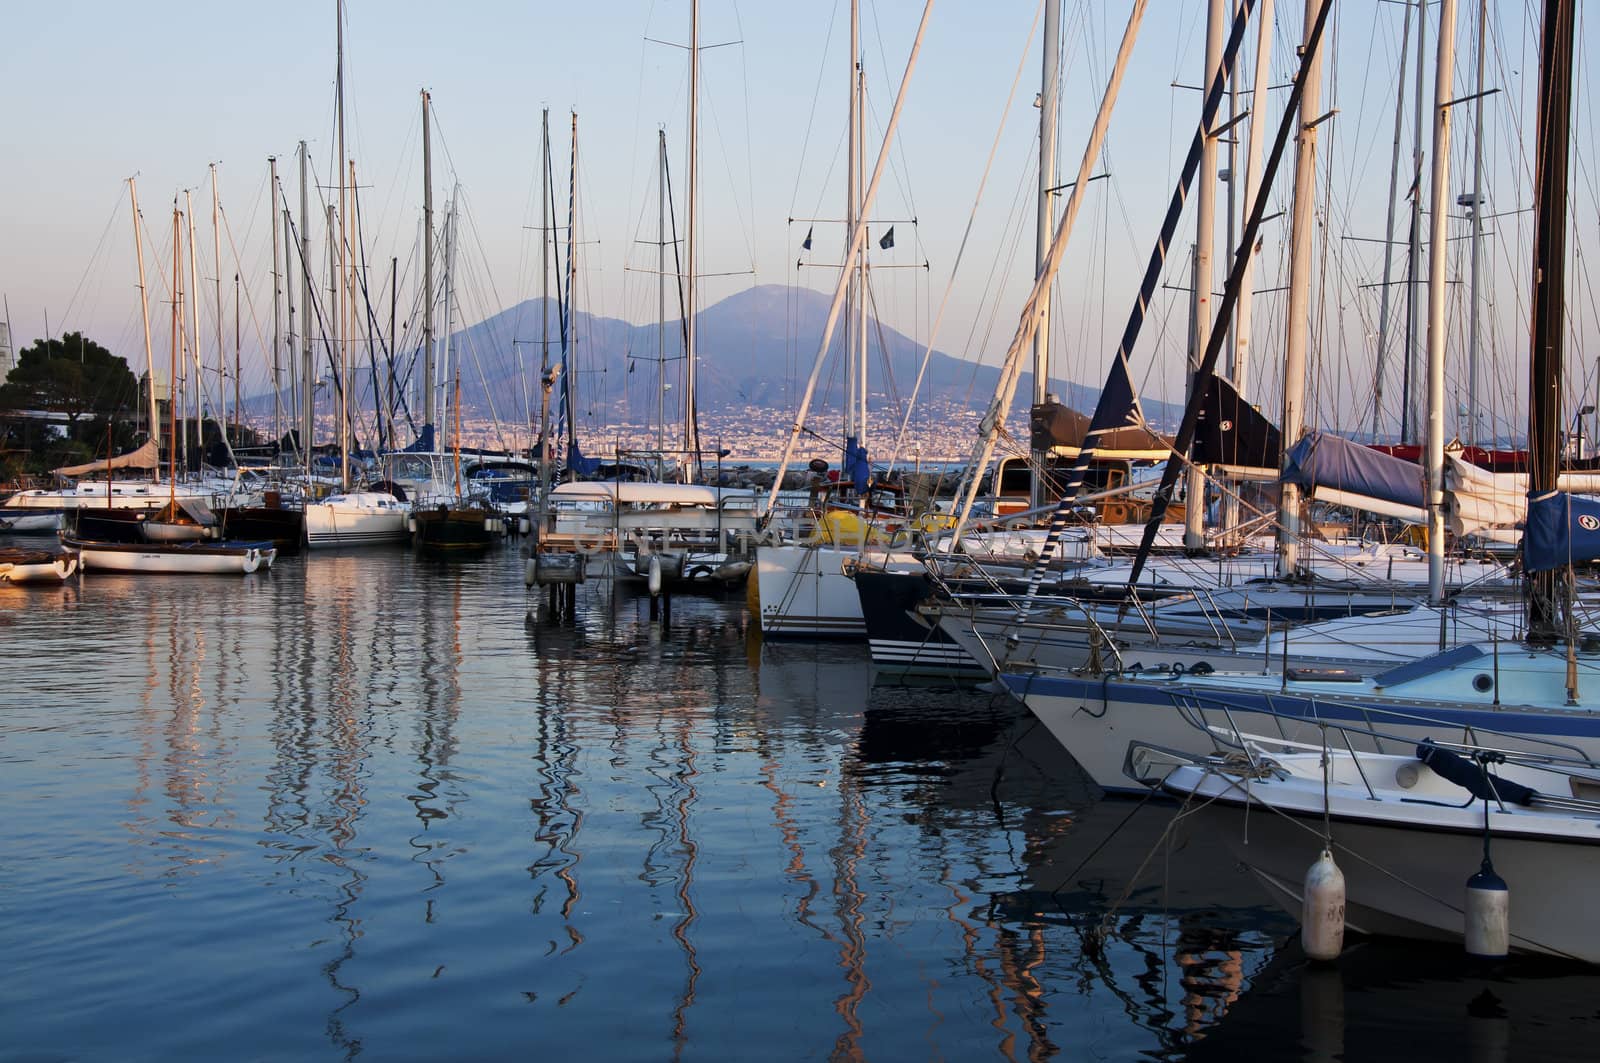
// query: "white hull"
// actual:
[[365, 519], [806, 591], [56, 570], [1406, 840], [177, 559], [31, 522], [1096, 717]]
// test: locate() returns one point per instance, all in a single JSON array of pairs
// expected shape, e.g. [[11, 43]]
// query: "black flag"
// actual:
[[887, 240], [806, 243]]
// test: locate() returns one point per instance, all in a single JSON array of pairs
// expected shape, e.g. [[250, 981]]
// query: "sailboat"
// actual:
[[149, 553], [803, 589], [1529, 687], [354, 517]]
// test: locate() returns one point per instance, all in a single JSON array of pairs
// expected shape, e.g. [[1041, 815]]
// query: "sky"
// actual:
[[103, 91]]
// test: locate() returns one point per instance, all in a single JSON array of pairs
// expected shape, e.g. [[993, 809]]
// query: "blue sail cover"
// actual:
[[579, 465], [424, 443], [856, 467], [1323, 460], [1561, 529]]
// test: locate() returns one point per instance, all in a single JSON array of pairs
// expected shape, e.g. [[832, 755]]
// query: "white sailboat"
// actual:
[[1408, 829]]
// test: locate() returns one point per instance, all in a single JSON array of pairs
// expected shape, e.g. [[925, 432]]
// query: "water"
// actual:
[[361, 807]]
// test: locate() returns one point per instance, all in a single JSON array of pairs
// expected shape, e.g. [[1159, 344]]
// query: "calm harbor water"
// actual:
[[363, 806]]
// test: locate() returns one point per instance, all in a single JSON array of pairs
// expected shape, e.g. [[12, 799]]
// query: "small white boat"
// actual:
[[357, 518], [37, 566], [31, 522], [194, 558], [1407, 831]]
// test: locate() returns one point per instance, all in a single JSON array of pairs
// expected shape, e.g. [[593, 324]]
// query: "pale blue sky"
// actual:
[[102, 90]]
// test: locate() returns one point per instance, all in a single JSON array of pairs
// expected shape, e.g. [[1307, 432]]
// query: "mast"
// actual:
[[236, 357], [1443, 93], [288, 299], [216, 268], [852, 428], [450, 240], [428, 409], [857, 238], [341, 338], [308, 366], [661, 291], [1549, 291], [572, 300], [394, 309], [1194, 520], [177, 318], [691, 451], [1299, 311], [545, 181], [1045, 223], [193, 337], [1240, 370], [277, 300], [1476, 216], [144, 311], [1414, 337], [1388, 241]]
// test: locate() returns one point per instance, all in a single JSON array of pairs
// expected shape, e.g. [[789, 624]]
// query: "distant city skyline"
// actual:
[[111, 91]]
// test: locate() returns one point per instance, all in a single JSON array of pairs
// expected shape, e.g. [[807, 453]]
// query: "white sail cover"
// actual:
[[146, 457], [1494, 504]]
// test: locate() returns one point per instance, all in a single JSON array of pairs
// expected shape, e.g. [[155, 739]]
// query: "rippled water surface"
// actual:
[[365, 806]]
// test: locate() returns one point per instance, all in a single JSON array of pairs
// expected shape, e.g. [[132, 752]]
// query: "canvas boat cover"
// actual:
[[146, 457], [1562, 529]]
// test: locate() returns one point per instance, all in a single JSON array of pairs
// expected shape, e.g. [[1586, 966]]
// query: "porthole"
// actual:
[[1483, 682]]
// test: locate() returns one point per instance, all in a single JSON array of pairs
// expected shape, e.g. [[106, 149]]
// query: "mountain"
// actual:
[[756, 349]]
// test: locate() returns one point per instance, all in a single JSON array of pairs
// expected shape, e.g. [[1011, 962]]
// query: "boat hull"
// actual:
[[1096, 716], [175, 558], [336, 524], [1408, 881]]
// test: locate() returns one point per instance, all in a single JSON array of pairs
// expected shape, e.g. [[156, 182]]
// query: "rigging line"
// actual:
[[99, 246], [961, 249], [811, 119]]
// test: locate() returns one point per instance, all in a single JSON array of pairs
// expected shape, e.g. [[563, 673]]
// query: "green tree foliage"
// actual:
[[79, 379], [74, 376]]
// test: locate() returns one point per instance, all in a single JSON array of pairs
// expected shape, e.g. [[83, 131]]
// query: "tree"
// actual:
[[74, 376]]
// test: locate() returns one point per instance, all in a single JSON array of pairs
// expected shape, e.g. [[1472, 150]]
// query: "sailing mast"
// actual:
[[1194, 521], [277, 299], [853, 294], [341, 292], [1299, 312], [1045, 224], [177, 317], [1239, 371], [690, 428], [1443, 94], [428, 410], [1476, 216], [661, 295], [193, 337], [1413, 327], [308, 368], [216, 268], [1388, 244], [144, 310], [1549, 292], [570, 354]]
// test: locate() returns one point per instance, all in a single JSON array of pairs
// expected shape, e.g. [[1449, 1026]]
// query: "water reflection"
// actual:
[[401, 818]]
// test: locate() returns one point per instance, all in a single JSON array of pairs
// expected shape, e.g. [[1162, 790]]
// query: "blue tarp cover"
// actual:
[[1561, 529], [1323, 460], [856, 467]]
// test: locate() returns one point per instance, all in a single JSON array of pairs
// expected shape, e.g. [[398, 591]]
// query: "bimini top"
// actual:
[[637, 494]]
